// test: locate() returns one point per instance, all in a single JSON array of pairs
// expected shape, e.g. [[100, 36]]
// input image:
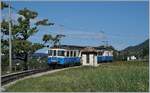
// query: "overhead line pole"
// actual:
[[10, 44], [0, 42]]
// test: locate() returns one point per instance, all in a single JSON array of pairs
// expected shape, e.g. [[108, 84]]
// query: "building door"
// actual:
[[92, 59], [83, 59], [87, 59]]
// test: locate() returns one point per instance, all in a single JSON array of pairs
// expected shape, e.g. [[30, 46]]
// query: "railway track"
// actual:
[[5, 79]]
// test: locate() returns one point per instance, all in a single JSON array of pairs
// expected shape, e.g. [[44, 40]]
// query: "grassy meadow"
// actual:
[[110, 77]]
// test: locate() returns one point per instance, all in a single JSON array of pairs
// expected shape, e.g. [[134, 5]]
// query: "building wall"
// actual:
[[92, 60]]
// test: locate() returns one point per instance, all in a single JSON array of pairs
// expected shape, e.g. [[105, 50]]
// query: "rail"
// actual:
[[5, 79]]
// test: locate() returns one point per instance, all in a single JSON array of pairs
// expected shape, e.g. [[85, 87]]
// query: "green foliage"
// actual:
[[28, 14], [22, 30], [21, 46], [111, 77], [4, 64], [55, 40], [36, 46], [5, 27], [4, 46], [37, 63], [47, 38], [43, 22]]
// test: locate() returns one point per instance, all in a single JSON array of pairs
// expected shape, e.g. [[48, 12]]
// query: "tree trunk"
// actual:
[[25, 62]]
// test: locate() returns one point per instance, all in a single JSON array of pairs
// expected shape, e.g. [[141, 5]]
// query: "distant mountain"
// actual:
[[141, 50]]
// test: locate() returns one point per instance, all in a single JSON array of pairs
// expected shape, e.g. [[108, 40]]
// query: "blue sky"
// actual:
[[123, 23]]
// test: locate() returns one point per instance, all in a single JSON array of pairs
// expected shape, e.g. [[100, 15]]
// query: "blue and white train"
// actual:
[[105, 56], [63, 56]]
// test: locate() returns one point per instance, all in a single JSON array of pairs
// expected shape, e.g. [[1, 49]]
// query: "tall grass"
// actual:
[[117, 76]]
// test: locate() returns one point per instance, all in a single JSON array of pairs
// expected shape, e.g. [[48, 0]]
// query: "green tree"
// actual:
[[47, 38], [22, 30], [54, 40], [4, 27]]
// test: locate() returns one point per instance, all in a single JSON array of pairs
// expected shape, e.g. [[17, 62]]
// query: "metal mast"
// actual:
[[60, 35], [10, 44]]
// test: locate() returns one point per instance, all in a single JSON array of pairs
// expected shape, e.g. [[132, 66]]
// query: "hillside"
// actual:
[[141, 50]]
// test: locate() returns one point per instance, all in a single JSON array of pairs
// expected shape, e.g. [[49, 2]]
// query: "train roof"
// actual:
[[75, 47], [57, 49], [68, 47]]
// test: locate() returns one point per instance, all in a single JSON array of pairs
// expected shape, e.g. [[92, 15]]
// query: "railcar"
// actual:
[[105, 56], [72, 56], [63, 56]]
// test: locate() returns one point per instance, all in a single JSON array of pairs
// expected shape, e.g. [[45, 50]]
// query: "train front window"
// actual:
[[50, 52], [61, 53], [54, 52]]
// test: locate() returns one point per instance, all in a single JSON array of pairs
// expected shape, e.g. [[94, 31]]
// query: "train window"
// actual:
[[67, 53], [61, 53], [71, 53], [78, 53], [100, 53], [50, 52], [74, 53], [54, 53]]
